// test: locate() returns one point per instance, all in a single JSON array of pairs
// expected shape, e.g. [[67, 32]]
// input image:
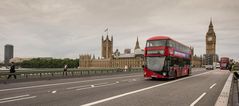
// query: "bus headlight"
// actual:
[[164, 73]]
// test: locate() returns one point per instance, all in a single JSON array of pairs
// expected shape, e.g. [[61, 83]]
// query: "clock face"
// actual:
[[209, 38]]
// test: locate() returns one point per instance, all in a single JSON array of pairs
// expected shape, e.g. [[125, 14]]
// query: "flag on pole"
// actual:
[[106, 29]]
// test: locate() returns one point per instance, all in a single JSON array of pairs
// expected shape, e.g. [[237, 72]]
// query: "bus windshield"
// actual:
[[153, 43], [155, 63]]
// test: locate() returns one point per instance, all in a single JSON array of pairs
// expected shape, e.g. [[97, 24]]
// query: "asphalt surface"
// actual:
[[202, 88]]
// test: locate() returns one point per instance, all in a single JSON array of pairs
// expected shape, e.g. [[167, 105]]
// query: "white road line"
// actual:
[[14, 97], [129, 80], [46, 85], [53, 91], [96, 86], [200, 97], [213, 85], [125, 80], [78, 87], [85, 86], [132, 80], [140, 90], [18, 99]]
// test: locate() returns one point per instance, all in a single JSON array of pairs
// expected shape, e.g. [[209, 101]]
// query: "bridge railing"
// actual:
[[26, 74]]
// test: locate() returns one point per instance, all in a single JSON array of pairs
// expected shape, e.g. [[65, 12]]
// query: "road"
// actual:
[[202, 88]]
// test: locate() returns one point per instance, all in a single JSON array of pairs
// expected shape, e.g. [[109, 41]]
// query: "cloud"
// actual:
[[67, 28]]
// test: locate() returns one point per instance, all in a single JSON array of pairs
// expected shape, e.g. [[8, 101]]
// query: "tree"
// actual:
[[49, 63]]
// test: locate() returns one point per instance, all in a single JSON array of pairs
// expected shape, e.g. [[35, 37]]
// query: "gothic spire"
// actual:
[[137, 44], [211, 23], [211, 30], [107, 37]]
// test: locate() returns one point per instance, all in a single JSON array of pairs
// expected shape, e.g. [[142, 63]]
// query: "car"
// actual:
[[218, 65], [209, 67]]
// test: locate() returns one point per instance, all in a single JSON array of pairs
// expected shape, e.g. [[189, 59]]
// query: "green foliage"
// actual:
[[49, 63]]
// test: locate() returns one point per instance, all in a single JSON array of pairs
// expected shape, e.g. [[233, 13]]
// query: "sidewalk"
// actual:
[[234, 94]]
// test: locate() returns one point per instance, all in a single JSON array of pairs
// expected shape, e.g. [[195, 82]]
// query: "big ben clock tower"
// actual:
[[210, 57], [211, 40]]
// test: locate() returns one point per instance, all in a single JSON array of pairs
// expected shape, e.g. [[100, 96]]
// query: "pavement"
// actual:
[[202, 88]]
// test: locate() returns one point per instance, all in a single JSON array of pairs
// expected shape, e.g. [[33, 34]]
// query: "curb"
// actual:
[[223, 98]]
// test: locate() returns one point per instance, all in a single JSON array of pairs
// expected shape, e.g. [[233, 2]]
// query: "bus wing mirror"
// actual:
[[143, 66]]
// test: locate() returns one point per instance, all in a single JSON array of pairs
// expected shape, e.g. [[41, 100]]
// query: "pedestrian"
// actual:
[[12, 71], [65, 70], [235, 69], [230, 66], [125, 68]]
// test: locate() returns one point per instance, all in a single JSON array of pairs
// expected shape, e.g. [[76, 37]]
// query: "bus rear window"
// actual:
[[156, 43]]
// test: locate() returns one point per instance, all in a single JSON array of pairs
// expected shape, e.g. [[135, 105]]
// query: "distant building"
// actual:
[[8, 53], [19, 59], [127, 51], [210, 55], [196, 61], [116, 59]]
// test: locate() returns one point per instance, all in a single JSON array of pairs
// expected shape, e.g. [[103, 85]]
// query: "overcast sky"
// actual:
[[67, 28]]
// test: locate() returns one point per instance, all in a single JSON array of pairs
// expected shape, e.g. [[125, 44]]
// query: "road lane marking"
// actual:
[[213, 85], [132, 80], [18, 99], [125, 80], [143, 89], [96, 86], [200, 97], [78, 87], [53, 92], [86, 85], [14, 97], [47, 85], [129, 80]]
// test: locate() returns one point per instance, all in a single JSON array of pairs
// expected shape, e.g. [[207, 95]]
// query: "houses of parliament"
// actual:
[[113, 59], [136, 59]]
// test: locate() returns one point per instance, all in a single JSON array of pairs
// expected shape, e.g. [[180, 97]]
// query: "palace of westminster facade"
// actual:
[[112, 59]]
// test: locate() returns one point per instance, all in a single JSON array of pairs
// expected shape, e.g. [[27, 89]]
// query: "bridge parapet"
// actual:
[[59, 73]]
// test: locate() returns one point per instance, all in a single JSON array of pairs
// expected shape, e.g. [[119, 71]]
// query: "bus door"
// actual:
[[174, 66]]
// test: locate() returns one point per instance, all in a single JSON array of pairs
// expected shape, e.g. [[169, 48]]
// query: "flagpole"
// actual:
[[107, 31]]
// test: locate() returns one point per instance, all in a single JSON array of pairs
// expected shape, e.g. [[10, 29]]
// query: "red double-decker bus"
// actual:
[[166, 58], [224, 63]]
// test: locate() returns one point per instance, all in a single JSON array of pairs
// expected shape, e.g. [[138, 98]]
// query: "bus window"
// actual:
[[155, 63], [181, 63], [156, 43], [170, 43], [174, 61]]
